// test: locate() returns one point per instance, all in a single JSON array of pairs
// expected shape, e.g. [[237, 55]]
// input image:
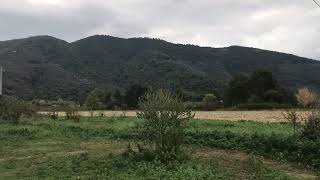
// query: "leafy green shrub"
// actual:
[[11, 109], [210, 101], [311, 128], [163, 129]]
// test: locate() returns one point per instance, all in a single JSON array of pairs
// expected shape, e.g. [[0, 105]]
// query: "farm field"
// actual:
[[93, 149], [259, 116]]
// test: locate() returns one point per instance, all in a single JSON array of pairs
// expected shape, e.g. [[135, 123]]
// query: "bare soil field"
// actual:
[[260, 116]]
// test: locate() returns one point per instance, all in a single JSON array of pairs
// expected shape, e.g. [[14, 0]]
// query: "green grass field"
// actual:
[[92, 149]]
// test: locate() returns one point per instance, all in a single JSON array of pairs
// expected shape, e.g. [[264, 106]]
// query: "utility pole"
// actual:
[[1, 71]]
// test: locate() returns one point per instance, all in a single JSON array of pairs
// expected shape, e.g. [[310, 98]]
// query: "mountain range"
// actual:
[[49, 68]]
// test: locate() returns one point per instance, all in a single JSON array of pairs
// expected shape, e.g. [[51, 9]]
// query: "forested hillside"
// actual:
[[48, 68]]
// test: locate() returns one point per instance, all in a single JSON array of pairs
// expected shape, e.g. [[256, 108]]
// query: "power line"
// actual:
[[316, 2]]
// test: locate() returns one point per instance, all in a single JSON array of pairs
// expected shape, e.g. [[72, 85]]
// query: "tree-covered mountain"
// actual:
[[49, 68]]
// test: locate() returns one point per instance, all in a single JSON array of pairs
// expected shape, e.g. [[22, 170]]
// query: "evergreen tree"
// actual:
[[92, 100], [133, 95]]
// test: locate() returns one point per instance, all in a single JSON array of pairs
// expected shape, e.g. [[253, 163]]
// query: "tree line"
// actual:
[[255, 90]]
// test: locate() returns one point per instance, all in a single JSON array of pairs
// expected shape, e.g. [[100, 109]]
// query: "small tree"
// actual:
[[92, 100], [210, 100], [106, 100], [117, 98], [165, 120], [133, 95], [306, 97]]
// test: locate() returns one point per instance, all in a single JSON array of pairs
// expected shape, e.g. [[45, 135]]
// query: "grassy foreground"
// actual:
[[91, 149]]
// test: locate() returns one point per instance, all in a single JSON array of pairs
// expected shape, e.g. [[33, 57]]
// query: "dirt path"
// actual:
[[225, 159], [260, 116]]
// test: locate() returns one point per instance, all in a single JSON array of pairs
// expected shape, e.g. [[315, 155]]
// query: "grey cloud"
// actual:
[[285, 25]]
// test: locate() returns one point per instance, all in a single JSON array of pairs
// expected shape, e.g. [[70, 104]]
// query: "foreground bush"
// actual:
[[306, 128], [11, 109], [163, 129]]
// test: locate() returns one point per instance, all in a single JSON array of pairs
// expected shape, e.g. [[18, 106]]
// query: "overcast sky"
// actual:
[[291, 26]]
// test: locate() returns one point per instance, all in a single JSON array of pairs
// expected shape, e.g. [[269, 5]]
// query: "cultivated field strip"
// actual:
[[260, 116]]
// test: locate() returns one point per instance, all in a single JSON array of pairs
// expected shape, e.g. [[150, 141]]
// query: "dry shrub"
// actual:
[[101, 114], [293, 118], [73, 114], [306, 97], [53, 115], [311, 129], [307, 127]]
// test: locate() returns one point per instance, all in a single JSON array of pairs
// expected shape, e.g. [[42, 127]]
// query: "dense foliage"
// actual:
[[257, 87], [133, 95]]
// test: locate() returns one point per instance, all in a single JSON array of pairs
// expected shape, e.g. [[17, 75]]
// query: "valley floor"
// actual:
[[42, 148]]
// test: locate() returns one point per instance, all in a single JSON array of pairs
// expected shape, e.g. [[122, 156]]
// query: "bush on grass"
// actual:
[[311, 128], [294, 119], [11, 109], [163, 129]]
